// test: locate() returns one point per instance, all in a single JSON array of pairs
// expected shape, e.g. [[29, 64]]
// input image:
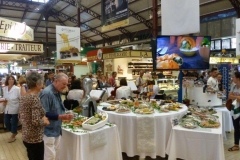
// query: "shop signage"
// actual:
[[8, 47], [16, 30], [123, 54], [145, 54], [215, 60], [95, 55]]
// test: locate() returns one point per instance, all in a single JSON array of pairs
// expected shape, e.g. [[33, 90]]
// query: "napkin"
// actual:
[[145, 134], [97, 139]]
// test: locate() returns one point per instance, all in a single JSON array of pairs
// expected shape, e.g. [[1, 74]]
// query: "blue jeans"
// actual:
[[11, 122]]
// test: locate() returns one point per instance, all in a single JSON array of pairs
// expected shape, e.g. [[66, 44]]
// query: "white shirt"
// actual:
[[124, 91], [213, 82], [12, 98], [139, 82], [75, 94]]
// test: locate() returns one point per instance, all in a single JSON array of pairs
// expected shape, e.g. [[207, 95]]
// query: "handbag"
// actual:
[[229, 104]]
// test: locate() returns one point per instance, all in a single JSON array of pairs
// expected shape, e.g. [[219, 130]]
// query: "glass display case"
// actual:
[[170, 87]]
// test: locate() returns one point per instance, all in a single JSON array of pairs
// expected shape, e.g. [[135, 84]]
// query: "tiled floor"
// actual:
[[17, 151]]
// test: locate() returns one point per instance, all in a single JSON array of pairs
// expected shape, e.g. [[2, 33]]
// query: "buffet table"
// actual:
[[144, 135], [101, 144], [227, 125], [196, 144]]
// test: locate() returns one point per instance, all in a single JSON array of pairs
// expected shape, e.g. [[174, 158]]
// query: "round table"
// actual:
[[150, 132]]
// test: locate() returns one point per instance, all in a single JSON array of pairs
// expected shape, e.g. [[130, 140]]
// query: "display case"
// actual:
[[168, 84], [170, 87]]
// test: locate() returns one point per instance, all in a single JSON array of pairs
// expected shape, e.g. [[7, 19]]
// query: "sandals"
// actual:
[[234, 148], [10, 140]]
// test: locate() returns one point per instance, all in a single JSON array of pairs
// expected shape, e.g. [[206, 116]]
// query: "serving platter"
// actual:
[[96, 121]]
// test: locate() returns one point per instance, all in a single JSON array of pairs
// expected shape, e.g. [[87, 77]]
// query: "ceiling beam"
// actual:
[[82, 25], [33, 6], [88, 39], [44, 32], [24, 18], [64, 8], [47, 7], [236, 6], [24, 13], [56, 17]]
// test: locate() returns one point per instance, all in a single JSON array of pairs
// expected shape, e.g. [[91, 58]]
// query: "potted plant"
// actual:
[[185, 99]]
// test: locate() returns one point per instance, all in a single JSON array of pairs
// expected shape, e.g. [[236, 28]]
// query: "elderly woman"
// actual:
[[32, 117], [12, 94]]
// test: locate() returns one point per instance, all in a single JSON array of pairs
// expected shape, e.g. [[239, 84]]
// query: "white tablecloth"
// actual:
[[127, 126], [196, 144], [227, 124], [78, 146]]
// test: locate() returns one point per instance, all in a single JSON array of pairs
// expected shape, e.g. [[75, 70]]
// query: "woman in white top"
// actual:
[[76, 93], [12, 94], [124, 90]]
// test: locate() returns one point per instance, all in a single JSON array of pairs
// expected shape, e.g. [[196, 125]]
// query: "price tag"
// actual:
[[174, 121]]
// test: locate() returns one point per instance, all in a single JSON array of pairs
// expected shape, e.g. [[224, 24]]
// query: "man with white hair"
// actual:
[[55, 111]]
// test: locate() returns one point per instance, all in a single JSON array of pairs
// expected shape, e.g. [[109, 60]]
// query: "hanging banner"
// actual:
[[114, 14], [237, 37], [68, 44], [16, 30], [183, 15]]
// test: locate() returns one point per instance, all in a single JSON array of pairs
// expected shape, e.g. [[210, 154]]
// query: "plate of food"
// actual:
[[209, 124], [110, 108], [189, 125], [113, 102], [96, 121], [123, 110], [144, 111]]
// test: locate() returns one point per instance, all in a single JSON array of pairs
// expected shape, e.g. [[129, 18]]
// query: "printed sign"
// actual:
[[8, 47], [16, 30], [68, 43], [174, 121]]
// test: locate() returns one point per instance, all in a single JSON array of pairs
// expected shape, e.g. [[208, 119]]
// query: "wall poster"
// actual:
[[68, 44]]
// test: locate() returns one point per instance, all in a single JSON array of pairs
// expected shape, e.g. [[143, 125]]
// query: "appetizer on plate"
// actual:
[[144, 111], [123, 110]]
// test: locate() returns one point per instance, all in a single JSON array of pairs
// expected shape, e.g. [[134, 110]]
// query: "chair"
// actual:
[[70, 104]]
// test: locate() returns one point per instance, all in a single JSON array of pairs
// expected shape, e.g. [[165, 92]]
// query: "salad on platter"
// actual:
[[96, 121], [76, 122]]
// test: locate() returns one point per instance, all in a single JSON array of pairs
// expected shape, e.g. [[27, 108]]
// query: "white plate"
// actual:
[[95, 126]]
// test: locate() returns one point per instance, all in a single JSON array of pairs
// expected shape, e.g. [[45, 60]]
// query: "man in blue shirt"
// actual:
[[50, 79], [55, 112]]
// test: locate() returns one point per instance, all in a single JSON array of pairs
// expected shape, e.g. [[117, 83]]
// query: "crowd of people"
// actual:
[[36, 101]]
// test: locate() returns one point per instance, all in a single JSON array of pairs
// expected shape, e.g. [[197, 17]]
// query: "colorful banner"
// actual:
[[16, 30], [225, 70], [68, 44], [114, 14], [13, 47]]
